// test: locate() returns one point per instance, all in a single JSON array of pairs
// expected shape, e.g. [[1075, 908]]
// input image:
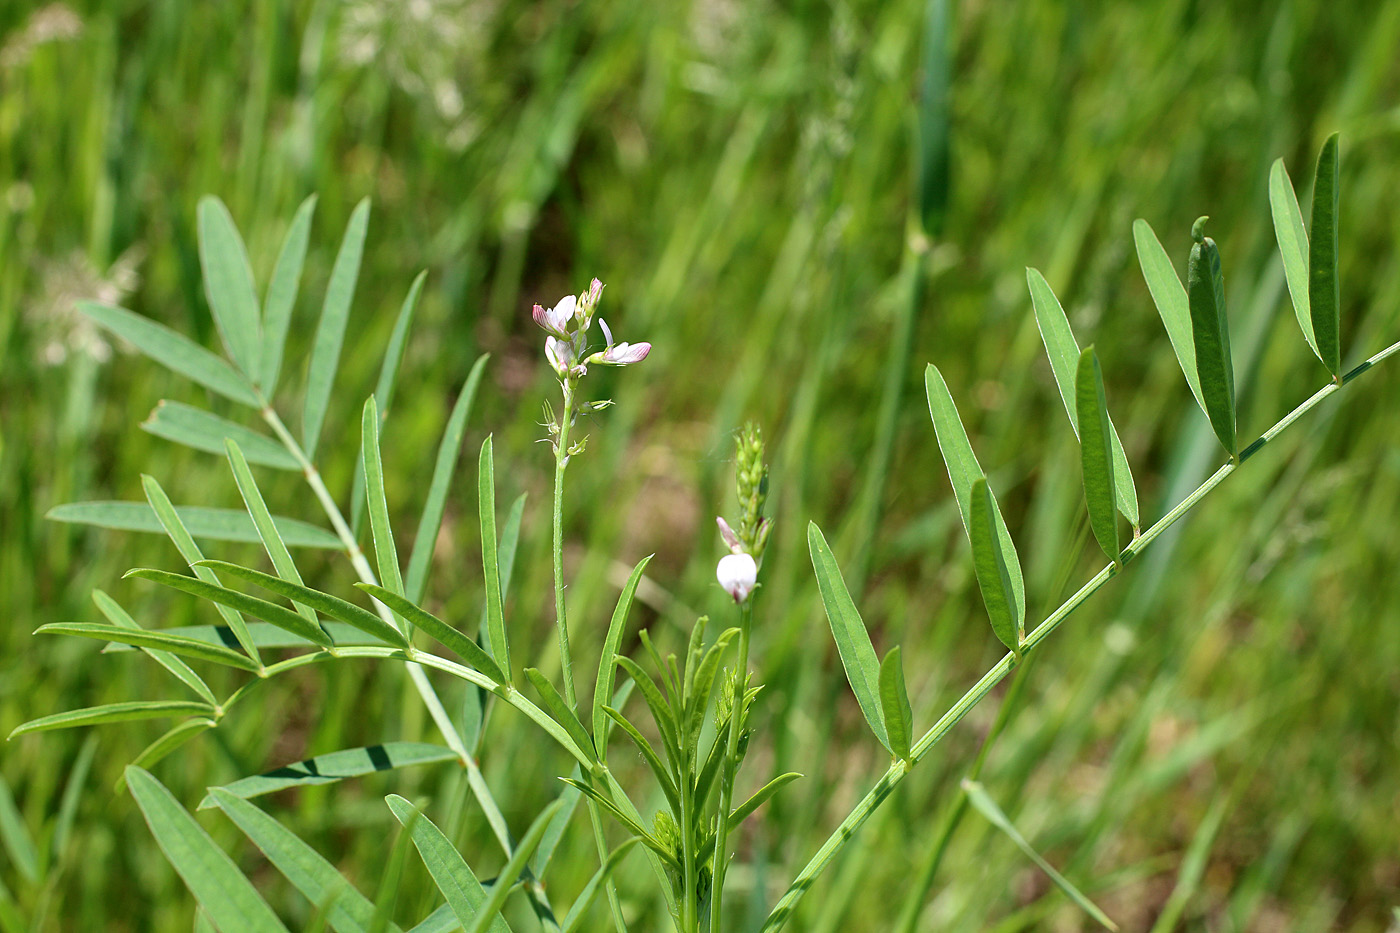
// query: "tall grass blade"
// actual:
[[228, 285], [267, 529], [281, 296], [19, 844], [382, 531], [217, 884], [848, 628], [450, 872], [202, 522], [240, 602], [1292, 246], [603, 686], [330, 332], [1095, 452], [1172, 305], [506, 878], [426, 539], [74, 793], [178, 668], [335, 766], [202, 430], [993, 576], [174, 351], [490, 559], [1210, 333], [1324, 286], [114, 712], [934, 134], [585, 898], [894, 701]]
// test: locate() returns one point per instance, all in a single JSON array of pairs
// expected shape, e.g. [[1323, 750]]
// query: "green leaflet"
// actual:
[[490, 560], [630, 822], [1324, 287], [202, 522], [661, 711], [490, 913], [164, 641], [1292, 246], [1170, 299], [848, 628], [559, 709], [335, 766], [894, 701], [436, 502], [1063, 351], [264, 636], [590, 890], [1210, 333], [963, 469], [984, 804], [702, 684], [603, 686], [438, 630], [992, 576], [760, 797], [381, 530], [170, 740], [174, 351], [317, 879], [1095, 452], [330, 332], [240, 602], [202, 430], [114, 712], [178, 668], [220, 888], [228, 285], [267, 528], [281, 296], [450, 872], [649, 755]]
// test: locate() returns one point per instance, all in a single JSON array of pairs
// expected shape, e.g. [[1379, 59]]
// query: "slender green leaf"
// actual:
[[202, 430], [442, 920], [330, 332], [760, 797], [74, 793], [381, 530], [1292, 246], [1171, 301], [174, 351], [114, 712], [894, 702], [333, 606], [264, 636], [221, 889], [19, 844], [985, 805], [170, 519], [267, 528], [438, 630], [1095, 452], [603, 687], [661, 711], [698, 699], [963, 469], [505, 880], [993, 578], [1063, 351], [208, 523], [282, 295], [228, 285], [560, 710], [178, 668], [172, 739], [848, 628], [1210, 333], [141, 638], [629, 822], [241, 602], [585, 899], [1324, 286], [310, 873], [653, 760], [450, 872], [386, 897], [336, 766], [490, 560], [426, 538]]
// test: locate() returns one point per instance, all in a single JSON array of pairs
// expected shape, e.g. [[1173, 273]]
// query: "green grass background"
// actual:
[[1210, 744]]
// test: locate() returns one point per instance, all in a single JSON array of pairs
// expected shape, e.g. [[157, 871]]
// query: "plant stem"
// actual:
[[561, 619], [783, 910], [730, 766]]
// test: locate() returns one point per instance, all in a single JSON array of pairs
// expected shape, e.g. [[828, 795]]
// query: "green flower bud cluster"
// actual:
[[752, 476]]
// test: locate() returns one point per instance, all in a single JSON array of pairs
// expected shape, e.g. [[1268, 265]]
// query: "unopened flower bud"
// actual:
[[738, 574], [731, 540]]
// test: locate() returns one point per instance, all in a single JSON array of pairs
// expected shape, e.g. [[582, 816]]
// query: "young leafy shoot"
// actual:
[[894, 701], [1324, 287], [1095, 454], [1210, 333], [490, 560], [228, 285], [848, 628], [1063, 351], [1292, 246], [1172, 305], [450, 872], [990, 567], [281, 296], [330, 332]]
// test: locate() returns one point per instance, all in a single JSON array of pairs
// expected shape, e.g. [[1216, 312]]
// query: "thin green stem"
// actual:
[[783, 910], [561, 618], [730, 767]]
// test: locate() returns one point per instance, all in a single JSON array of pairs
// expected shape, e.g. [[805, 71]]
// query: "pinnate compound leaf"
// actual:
[[330, 332], [603, 686], [1210, 333], [337, 766], [211, 524], [1172, 304], [1095, 452], [228, 285], [220, 888], [174, 351], [114, 712], [963, 470], [992, 576], [450, 872], [1292, 246], [894, 700], [1324, 287], [438, 630], [1063, 351], [848, 628], [202, 430], [985, 805], [282, 295]]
